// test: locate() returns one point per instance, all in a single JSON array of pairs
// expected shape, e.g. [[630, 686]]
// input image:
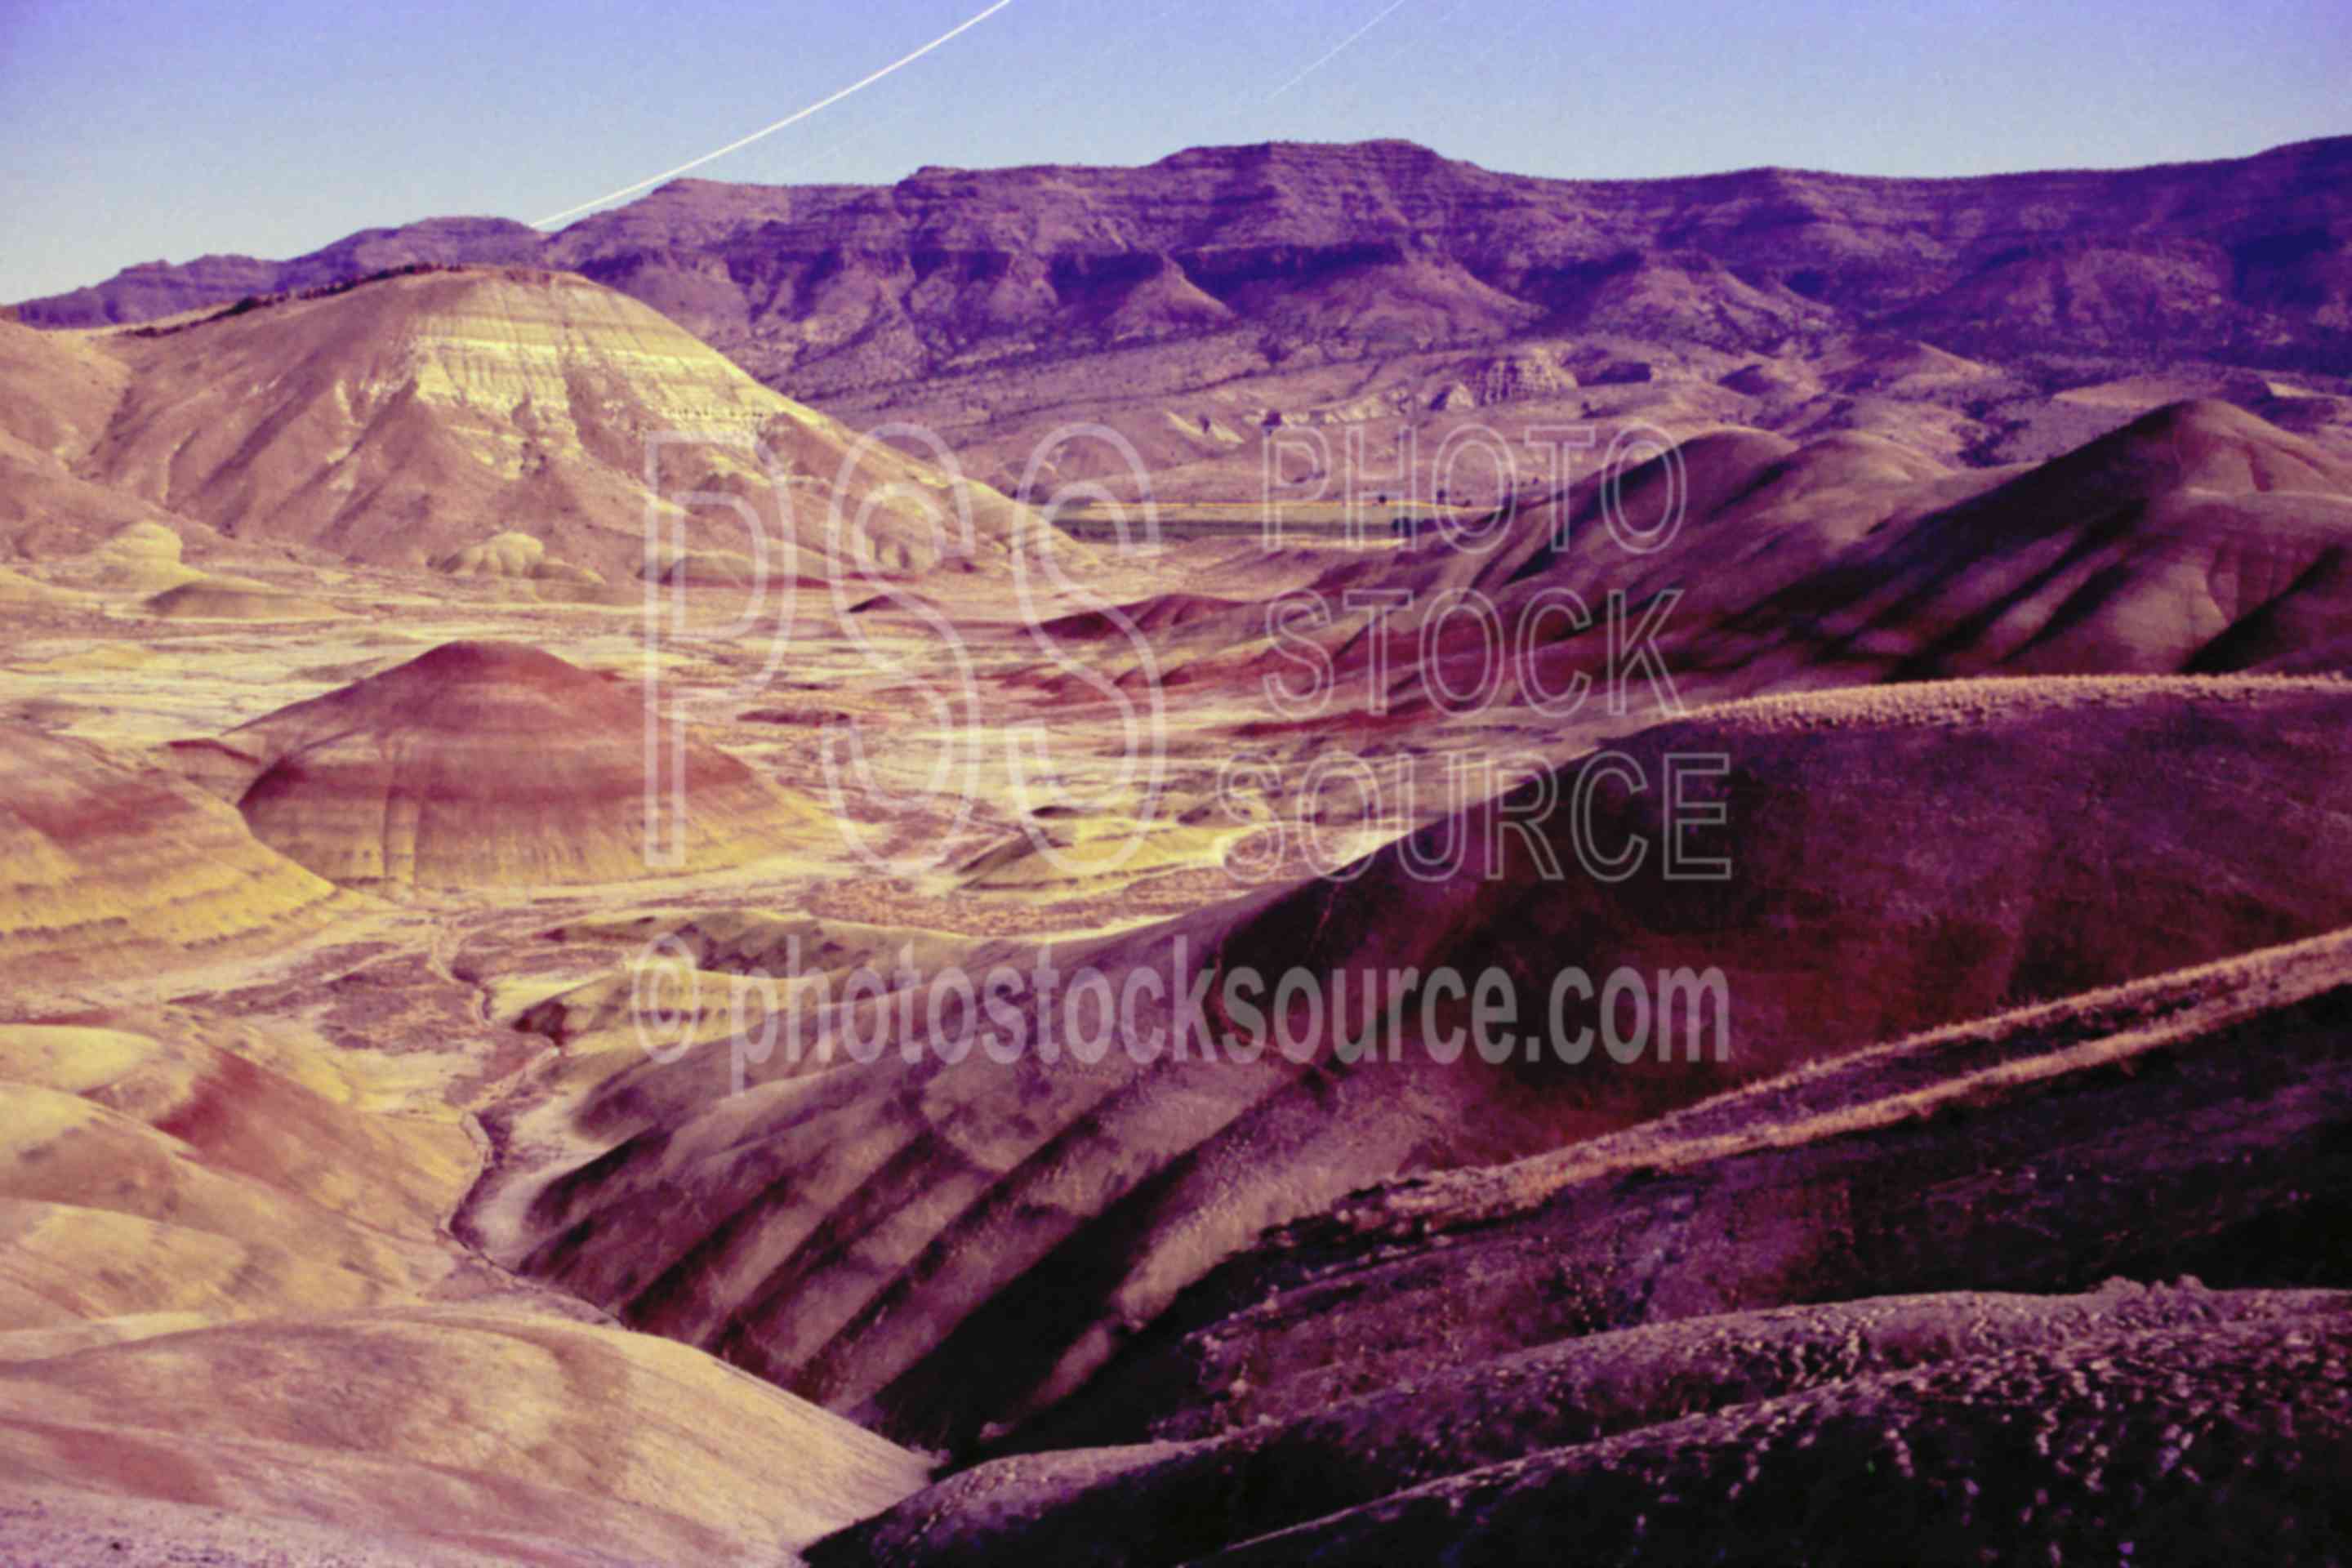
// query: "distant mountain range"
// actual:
[[1199, 304], [1354, 250]]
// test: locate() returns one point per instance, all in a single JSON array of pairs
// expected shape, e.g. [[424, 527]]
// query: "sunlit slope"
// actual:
[[116, 873], [164, 1170], [223, 1282], [483, 764], [549, 1441], [412, 417]]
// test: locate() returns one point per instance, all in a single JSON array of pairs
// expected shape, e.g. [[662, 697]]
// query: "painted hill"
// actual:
[[946, 1244], [1673, 1342], [2196, 538], [1674, 1339], [412, 417], [229, 1314], [166, 1176], [490, 764], [2235, 1057], [527, 1438], [115, 873]]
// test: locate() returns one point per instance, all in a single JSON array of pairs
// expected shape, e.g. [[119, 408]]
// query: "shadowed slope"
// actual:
[[2192, 1122], [1447, 1366], [944, 1245], [2145, 551], [2196, 538], [490, 764], [2173, 1446], [1156, 1505]]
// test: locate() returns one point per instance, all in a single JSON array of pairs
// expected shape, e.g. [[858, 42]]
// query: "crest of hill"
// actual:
[[57, 390], [159, 288], [2197, 444], [493, 764], [2045, 1149], [381, 422], [1852, 920], [2197, 539], [1752, 482]]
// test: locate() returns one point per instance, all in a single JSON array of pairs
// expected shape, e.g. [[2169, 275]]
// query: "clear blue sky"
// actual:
[[158, 130]]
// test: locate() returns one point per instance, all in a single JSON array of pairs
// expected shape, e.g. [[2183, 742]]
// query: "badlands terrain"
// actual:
[[525, 756]]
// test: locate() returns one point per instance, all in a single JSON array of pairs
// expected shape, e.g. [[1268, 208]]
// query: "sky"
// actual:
[[139, 131]]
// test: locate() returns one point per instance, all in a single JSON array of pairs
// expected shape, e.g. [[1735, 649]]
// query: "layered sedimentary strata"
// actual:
[[945, 1242], [113, 872], [485, 765]]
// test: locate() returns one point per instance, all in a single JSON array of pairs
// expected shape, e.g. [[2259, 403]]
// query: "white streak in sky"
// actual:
[[794, 119], [1341, 48]]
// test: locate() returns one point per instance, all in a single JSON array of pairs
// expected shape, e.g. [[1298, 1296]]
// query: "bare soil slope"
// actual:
[[487, 764], [116, 872], [940, 1246]]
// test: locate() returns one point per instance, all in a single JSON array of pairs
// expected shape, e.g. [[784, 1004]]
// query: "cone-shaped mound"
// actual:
[[142, 557], [513, 554], [232, 599], [111, 873], [492, 765], [383, 422]]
